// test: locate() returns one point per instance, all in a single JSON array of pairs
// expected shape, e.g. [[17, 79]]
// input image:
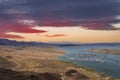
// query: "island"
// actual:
[[105, 51]]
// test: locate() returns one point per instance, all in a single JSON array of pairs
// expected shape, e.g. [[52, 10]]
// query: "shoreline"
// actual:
[[93, 71], [43, 60]]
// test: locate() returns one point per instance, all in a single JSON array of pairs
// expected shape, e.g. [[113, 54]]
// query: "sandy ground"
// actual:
[[43, 59], [31, 52]]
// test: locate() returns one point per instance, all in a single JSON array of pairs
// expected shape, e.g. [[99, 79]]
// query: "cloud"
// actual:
[[100, 25], [4, 35], [6, 27], [87, 24], [55, 35], [91, 15]]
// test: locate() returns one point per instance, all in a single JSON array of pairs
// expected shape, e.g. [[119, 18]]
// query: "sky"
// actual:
[[84, 21]]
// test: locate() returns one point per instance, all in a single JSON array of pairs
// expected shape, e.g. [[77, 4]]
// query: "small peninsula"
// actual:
[[105, 51]]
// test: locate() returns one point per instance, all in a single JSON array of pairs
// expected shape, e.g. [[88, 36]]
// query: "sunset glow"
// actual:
[[56, 21]]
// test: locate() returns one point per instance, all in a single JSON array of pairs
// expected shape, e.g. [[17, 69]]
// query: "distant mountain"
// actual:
[[19, 43], [64, 43], [81, 44], [23, 43], [104, 44]]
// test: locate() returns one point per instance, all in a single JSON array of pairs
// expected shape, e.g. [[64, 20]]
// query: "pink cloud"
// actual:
[[55, 35], [6, 26], [90, 24], [9, 36]]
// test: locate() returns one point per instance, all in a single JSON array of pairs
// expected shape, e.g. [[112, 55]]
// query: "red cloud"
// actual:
[[55, 35], [90, 24], [6, 26], [10, 36], [57, 23], [26, 29]]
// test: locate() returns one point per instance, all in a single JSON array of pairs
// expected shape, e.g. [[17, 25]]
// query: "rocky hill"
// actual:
[[7, 74], [19, 43]]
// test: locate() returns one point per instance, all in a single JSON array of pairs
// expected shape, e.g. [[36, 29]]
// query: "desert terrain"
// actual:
[[33, 60]]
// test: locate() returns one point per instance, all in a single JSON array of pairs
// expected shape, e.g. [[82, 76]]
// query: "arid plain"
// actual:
[[41, 59]]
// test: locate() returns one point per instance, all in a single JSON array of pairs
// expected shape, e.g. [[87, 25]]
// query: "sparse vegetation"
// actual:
[[5, 63], [9, 57]]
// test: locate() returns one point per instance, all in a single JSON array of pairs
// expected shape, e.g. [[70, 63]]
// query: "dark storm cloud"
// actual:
[[88, 13], [73, 9]]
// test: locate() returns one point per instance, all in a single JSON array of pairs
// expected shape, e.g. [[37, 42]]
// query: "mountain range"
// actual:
[[33, 43], [19, 43]]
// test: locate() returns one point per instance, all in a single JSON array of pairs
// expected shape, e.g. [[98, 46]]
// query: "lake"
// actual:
[[106, 63]]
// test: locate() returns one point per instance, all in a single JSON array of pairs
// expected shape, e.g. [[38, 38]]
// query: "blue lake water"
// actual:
[[106, 63]]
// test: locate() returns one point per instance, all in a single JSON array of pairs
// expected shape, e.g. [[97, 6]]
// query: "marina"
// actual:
[[94, 60], [80, 56]]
